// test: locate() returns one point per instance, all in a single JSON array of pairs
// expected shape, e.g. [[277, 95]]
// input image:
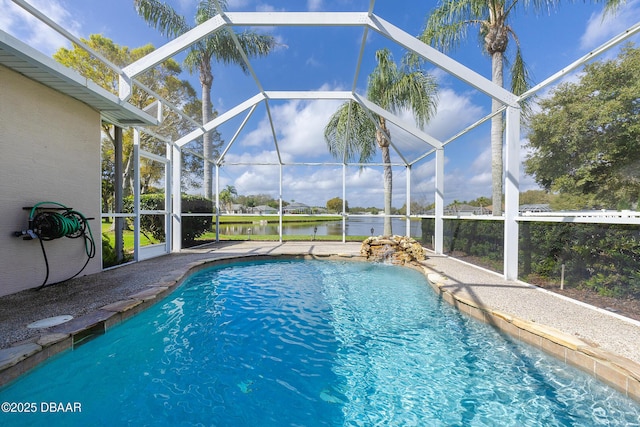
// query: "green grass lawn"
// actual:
[[226, 219], [275, 237], [211, 236], [127, 237]]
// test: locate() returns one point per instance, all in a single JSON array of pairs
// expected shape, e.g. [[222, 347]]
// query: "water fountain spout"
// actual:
[[392, 250]]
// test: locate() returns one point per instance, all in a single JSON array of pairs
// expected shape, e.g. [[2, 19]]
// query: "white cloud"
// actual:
[[425, 171], [263, 7], [235, 4], [314, 5], [302, 126], [299, 126], [264, 156], [601, 27], [475, 181], [313, 185], [472, 182], [455, 112], [22, 25], [480, 180], [365, 187], [527, 182], [258, 180], [312, 62], [482, 161]]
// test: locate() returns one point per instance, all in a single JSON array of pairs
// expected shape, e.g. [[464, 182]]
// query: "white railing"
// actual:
[[603, 216]]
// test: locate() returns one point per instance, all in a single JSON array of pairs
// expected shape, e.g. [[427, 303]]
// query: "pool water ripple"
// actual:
[[313, 343]]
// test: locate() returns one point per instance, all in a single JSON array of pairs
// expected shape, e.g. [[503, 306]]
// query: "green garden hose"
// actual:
[[55, 221]]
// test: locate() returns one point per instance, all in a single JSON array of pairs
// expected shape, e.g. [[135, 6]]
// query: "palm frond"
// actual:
[[350, 134], [381, 81], [448, 24], [256, 45], [520, 82], [520, 76], [207, 9], [221, 46], [162, 17], [193, 60], [423, 96], [396, 88], [611, 7]]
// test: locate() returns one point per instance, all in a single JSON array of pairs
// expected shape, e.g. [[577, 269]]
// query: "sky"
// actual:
[[325, 58]]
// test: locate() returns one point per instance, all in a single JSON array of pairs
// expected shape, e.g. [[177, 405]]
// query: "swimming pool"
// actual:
[[314, 343]]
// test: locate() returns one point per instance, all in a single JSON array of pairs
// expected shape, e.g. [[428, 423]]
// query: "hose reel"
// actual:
[[53, 220]]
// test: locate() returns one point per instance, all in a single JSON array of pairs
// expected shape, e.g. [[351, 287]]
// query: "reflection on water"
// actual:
[[355, 226]]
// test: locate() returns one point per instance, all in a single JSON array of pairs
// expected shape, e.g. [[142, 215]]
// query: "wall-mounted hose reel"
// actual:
[[52, 220]]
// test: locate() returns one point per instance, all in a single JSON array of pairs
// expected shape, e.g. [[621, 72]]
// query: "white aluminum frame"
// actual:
[[369, 22]]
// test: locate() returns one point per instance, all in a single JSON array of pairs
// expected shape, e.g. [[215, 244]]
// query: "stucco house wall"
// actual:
[[49, 151]]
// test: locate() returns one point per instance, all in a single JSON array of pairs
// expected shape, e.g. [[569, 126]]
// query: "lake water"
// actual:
[[356, 226]]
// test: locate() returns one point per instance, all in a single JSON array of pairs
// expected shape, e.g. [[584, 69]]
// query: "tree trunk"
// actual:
[[388, 176], [388, 182], [128, 176], [206, 79], [118, 196], [497, 128]]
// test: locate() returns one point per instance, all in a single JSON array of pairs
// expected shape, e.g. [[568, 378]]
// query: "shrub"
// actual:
[[192, 227], [109, 258], [195, 226], [600, 257]]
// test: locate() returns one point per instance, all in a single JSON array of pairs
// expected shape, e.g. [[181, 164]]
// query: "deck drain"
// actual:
[[49, 321]]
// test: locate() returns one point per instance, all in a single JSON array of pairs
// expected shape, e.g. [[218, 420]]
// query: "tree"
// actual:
[[585, 141], [481, 201], [351, 134], [219, 46], [118, 143], [107, 155], [416, 209], [163, 80], [253, 200], [534, 197], [335, 205], [227, 195], [448, 24]]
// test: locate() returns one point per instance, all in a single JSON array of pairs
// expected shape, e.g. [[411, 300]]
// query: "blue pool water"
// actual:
[[311, 343]]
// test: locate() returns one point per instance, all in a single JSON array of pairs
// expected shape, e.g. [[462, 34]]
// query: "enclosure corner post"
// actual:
[[217, 207], [439, 201], [512, 193], [344, 203], [281, 205], [136, 194], [176, 198], [408, 202]]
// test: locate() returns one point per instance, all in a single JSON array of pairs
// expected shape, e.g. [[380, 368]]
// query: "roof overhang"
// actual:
[[36, 66]]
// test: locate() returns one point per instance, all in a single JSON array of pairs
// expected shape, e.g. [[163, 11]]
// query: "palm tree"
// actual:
[[448, 24], [219, 46], [351, 134], [227, 195]]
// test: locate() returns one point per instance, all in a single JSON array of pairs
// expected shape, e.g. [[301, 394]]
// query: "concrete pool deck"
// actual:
[[602, 343]]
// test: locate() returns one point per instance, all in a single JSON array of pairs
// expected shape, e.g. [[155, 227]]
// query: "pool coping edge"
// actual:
[[611, 369], [23, 356]]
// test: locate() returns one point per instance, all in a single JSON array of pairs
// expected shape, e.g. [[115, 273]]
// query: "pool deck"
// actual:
[[602, 343]]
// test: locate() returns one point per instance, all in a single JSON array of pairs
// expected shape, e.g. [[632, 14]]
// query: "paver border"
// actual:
[[616, 371]]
